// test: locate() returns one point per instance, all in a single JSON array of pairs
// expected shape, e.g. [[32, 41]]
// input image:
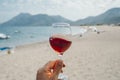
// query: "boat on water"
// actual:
[[4, 36], [61, 25]]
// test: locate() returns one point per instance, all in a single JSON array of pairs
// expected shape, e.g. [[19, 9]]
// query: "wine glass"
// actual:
[[60, 42]]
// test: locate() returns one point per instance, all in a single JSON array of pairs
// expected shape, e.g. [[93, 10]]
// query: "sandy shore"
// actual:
[[91, 57]]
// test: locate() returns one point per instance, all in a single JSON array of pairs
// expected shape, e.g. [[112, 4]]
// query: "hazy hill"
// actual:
[[25, 19], [112, 16]]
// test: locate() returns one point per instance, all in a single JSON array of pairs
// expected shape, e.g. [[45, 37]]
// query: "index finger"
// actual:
[[52, 64]]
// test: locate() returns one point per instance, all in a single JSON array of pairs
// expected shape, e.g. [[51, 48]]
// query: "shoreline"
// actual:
[[32, 43], [40, 41]]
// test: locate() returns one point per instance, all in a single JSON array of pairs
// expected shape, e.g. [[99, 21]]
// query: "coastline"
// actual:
[[92, 56]]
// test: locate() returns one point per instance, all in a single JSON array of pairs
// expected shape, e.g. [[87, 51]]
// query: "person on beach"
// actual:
[[50, 71]]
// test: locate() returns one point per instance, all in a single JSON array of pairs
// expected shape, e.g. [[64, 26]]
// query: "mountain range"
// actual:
[[111, 16]]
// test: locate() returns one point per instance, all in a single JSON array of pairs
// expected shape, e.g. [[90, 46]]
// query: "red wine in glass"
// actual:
[[59, 44]]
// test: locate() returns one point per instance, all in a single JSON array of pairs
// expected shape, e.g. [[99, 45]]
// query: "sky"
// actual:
[[70, 9]]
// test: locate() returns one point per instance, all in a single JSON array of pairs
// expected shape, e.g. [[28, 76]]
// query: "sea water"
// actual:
[[29, 34]]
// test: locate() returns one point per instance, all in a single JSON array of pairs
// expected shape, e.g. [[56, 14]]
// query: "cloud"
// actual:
[[72, 9], [4, 4]]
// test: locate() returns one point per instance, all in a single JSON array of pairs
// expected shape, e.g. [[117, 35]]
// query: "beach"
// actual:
[[90, 57]]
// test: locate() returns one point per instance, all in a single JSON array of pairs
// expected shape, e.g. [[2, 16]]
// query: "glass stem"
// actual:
[[60, 56]]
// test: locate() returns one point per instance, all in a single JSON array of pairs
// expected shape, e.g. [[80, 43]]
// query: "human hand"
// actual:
[[50, 71]]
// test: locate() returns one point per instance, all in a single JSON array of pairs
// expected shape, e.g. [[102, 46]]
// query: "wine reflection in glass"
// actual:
[[60, 43]]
